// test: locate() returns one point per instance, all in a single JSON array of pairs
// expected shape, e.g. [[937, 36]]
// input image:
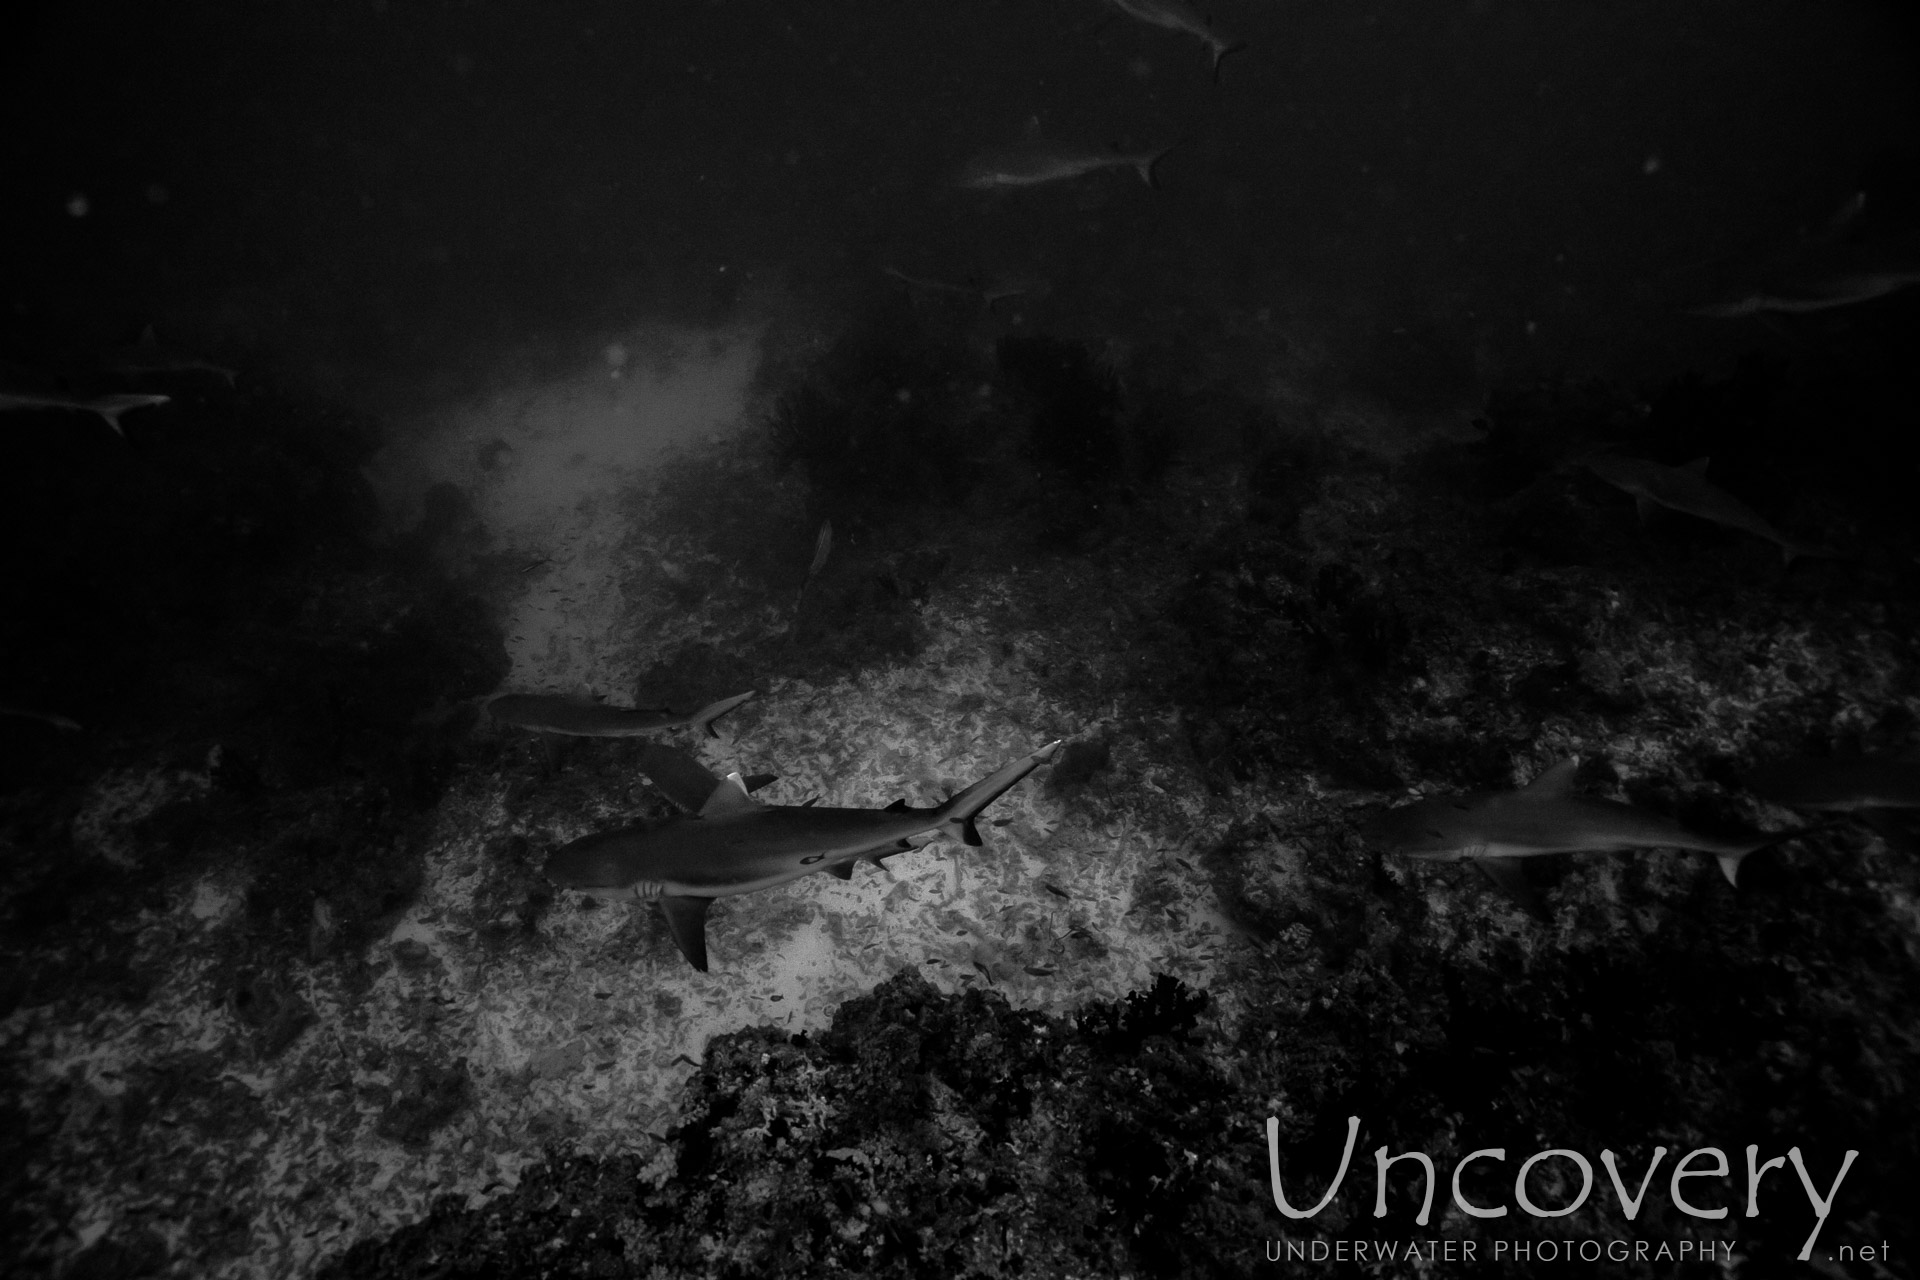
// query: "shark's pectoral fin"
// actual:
[[1730, 866], [687, 921], [1644, 508], [842, 870], [1509, 875], [969, 833]]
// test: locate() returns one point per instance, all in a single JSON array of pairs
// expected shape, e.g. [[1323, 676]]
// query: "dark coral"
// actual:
[[921, 1134]]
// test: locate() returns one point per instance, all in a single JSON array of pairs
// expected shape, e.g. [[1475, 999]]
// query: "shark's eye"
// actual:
[[807, 862]]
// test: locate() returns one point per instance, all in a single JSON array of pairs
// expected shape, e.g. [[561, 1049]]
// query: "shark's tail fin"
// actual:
[[1789, 552], [110, 408], [703, 718], [1730, 860], [1144, 165], [966, 806], [1222, 46]]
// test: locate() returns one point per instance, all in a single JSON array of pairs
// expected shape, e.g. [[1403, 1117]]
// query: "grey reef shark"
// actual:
[[108, 408], [1687, 490], [553, 713], [149, 358], [59, 722], [998, 288], [1826, 276], [1496, 830], [735, 844], [1033, 162], [1178, 15]]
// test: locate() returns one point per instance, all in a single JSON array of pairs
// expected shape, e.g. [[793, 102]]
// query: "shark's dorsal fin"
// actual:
[[841, 870], [1698, 466], [896, 806], [1555, 782], [729, 799], [679, 777], [148, 338], [687, 921]]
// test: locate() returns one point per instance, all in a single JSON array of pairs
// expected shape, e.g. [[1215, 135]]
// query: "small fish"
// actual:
[[1178, 15], [822, 548], [1842, 784], [148, 357], [1687, 490], [1843, 217], [737, 845], [1032, 162], [584, 718], [1495, 829], [109, 408]]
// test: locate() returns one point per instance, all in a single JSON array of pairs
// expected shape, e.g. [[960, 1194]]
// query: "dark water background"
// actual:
[[393, 195], [1418, 206]]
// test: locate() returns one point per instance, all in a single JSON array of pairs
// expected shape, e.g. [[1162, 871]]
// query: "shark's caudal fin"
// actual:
[[703, 718], [1730, 862], [1221, 48], [966, 806], [1144, 165], [110, 408], [1802, 550]]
